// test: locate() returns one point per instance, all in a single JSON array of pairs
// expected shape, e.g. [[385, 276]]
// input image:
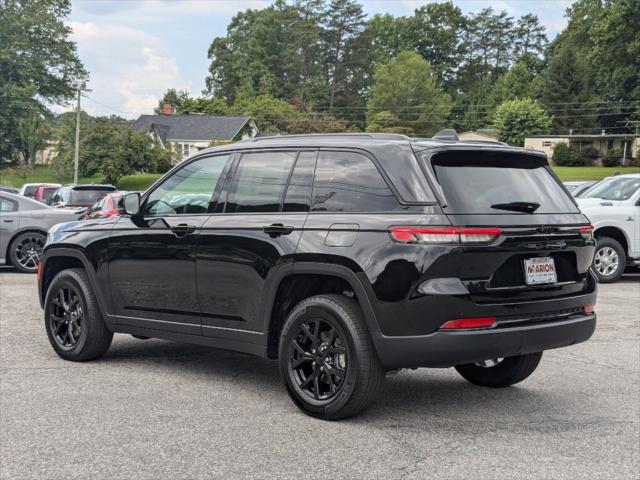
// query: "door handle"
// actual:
[[277, 229], [7, 221], [182, 229]]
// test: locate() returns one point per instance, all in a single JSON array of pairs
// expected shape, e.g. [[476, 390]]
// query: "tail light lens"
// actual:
[[39, 271], [589, 309], [444, 234], [111, 213], [466, 323], [587, 232]]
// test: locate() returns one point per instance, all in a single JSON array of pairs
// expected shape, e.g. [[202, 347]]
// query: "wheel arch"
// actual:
[[307, 279], [613, 232], [55, 260]]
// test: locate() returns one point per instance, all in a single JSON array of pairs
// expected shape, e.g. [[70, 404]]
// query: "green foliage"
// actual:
[[33, 132], [613, 158], [387, 122], [515, 119], [589, 155], [38, 61], [270, 114], [406, 88], [565, 155], [109, 149]]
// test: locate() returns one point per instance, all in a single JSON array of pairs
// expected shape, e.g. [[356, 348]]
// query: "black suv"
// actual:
[[342, 256]]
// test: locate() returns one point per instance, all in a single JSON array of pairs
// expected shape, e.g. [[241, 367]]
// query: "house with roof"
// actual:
[[187, 134], [628, 144]]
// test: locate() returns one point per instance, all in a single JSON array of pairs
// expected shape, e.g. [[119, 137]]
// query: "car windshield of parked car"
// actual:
[[621, 188], [499, 183], [47, 194], [30, 190]]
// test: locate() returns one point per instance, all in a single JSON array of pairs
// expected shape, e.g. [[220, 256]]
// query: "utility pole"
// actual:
[[80, 87]]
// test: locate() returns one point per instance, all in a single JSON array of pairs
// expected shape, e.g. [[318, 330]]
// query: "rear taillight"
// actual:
[[39, 271], [444, 234], [467, 323], [587, 232], [589, 309]]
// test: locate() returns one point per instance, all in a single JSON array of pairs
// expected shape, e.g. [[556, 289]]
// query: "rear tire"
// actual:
[[25, 251], [72, 318], [509, 371], [609, 260], [327, 360]]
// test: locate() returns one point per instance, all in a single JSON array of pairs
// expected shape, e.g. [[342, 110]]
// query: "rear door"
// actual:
[[541, 246], [251, 239]]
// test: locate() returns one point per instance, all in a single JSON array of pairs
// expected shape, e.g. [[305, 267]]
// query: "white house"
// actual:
[[187, 134]]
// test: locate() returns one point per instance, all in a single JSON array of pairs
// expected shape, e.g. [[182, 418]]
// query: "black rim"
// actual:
[[318, 359], [28, 251], [66, 318]]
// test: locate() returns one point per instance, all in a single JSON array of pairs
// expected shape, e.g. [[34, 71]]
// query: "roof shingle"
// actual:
[[191, 127]]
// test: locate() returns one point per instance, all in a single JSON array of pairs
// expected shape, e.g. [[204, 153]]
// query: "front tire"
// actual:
[[609, 260], [327, 360], [72, 318], [504, 373]]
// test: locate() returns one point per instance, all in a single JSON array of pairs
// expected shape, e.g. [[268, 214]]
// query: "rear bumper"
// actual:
[[446, 349]]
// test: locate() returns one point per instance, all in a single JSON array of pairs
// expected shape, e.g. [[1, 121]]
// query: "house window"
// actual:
[[547, 143], [610, 144], [185, 149]]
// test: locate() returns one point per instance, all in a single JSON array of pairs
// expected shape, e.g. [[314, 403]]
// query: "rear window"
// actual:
[[498, 183], [86, 197]]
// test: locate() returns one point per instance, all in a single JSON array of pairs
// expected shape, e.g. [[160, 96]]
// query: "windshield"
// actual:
[[615, 188], [499, 183]]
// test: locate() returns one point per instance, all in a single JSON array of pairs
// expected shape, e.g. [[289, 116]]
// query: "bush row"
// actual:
[[565, 155]]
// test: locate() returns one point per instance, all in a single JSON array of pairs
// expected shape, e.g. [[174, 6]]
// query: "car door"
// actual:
[[249, 243], [152, 255], [9, 223]]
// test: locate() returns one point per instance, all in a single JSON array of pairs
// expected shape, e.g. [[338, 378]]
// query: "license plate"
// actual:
[[540, 270]]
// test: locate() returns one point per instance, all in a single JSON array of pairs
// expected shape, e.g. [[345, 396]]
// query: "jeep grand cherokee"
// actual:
[[342, 256]]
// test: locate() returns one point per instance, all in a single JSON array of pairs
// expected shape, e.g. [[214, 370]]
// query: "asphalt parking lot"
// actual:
[[155, 409]]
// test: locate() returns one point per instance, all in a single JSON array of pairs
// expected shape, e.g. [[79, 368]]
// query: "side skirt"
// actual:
[[225, 344]]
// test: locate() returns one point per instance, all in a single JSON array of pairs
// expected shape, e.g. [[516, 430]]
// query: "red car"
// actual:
[[45, 191], [109, 206]]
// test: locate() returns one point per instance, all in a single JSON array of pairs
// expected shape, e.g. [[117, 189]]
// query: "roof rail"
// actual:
[[447, 134], [381, 136]]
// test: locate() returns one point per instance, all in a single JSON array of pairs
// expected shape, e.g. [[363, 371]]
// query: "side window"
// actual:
[[7, 205], [350, 182], [259, 181], [189, 190], [298, 196]]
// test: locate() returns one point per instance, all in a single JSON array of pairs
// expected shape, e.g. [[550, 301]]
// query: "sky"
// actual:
[[136, 49]]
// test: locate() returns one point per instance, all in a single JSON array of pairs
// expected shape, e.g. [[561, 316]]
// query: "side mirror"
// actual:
[[131, 204]]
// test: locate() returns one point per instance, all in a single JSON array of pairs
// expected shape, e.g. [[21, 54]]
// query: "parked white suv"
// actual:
[[613, 206]]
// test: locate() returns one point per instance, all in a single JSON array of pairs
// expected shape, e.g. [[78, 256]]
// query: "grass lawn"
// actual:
[[567, 174], [11, 178]]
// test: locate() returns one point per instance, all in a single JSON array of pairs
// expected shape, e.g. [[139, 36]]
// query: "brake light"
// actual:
[[589, 309], [587, 232], [444, 234], [466, 323], [39, 271]]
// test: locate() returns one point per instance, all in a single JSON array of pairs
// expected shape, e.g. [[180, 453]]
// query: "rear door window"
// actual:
[[350, 182], [498, 183], [259, 182]]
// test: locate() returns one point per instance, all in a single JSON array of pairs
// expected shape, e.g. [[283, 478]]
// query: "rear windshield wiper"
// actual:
[[524, 207]]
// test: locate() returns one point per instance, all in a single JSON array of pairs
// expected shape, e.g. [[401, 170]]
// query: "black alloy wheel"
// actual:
[[66, 317], [318, 360], [26, 250]]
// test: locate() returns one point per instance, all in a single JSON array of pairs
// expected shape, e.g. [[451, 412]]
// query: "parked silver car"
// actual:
[[24, 224]]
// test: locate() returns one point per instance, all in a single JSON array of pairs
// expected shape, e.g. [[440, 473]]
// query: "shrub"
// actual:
[[564, 155], [589, 155], [612, 158]]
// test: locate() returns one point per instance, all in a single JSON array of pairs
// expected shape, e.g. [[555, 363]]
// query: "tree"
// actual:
[[389, 36], [387, 122], [530, 37], [343, 24], [436, 34], [33, 133], [406, 88], [38, 63], [523, 80], [515, 119], [270, 114]]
